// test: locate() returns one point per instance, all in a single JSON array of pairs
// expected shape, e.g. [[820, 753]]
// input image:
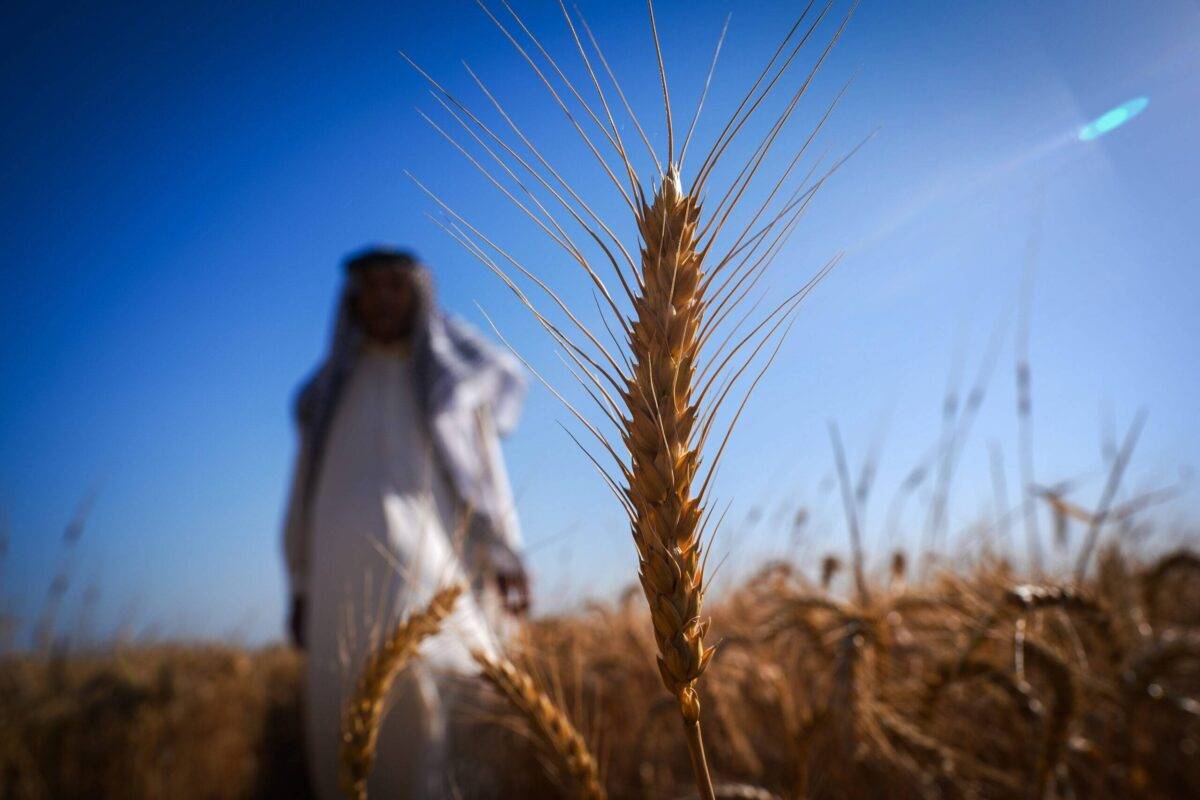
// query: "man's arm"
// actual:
[[505, 549]]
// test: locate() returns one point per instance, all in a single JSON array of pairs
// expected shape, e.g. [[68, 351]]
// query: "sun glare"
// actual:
[[1111, 120]]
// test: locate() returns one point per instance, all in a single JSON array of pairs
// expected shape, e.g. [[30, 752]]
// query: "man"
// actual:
[[399, 487]]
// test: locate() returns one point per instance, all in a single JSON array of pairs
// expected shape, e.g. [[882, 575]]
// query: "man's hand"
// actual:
[[514, 589], [297, 620]]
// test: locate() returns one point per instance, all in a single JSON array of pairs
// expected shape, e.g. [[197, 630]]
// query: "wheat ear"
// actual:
[[365, 711], [1179, 561], [553, 731], [664, 344], [953, 670]]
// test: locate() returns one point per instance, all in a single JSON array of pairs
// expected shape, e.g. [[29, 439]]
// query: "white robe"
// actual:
[[383, 519]]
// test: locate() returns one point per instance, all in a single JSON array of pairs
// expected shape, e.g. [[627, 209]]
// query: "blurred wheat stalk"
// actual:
[[552, 730], [365, 709]]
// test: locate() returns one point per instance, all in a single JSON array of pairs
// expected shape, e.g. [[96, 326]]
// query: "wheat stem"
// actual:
[[695, 742]]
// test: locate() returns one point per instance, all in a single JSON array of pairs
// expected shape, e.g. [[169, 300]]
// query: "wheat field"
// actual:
[[970, 684]]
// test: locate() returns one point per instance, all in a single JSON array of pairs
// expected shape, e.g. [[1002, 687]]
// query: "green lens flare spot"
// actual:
[[1111, 120]]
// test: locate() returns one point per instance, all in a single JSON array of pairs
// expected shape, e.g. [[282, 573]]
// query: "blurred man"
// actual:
[[399, 488]]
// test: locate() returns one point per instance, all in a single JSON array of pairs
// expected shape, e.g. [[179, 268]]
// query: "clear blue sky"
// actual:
[[180, 181]]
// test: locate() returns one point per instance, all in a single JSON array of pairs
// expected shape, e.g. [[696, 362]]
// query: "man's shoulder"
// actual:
[[465, 338]]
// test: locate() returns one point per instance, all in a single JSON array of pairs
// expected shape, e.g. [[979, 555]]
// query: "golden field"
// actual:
[[971, 684]]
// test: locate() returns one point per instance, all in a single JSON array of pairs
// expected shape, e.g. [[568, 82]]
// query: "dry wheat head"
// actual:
[[553, 731], [659, 434], [364, 712]]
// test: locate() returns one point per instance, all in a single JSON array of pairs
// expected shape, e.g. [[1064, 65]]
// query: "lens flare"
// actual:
[[1111, 120]]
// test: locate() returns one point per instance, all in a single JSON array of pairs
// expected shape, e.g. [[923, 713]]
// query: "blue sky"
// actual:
[[180, 182]]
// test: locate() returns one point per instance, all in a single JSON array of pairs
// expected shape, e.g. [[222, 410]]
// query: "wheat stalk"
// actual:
[[551, 728], [1110, 491], [679, 350], [365, 710], [1059, 715]]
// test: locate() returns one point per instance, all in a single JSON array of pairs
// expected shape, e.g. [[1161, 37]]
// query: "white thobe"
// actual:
[[383, 518]]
